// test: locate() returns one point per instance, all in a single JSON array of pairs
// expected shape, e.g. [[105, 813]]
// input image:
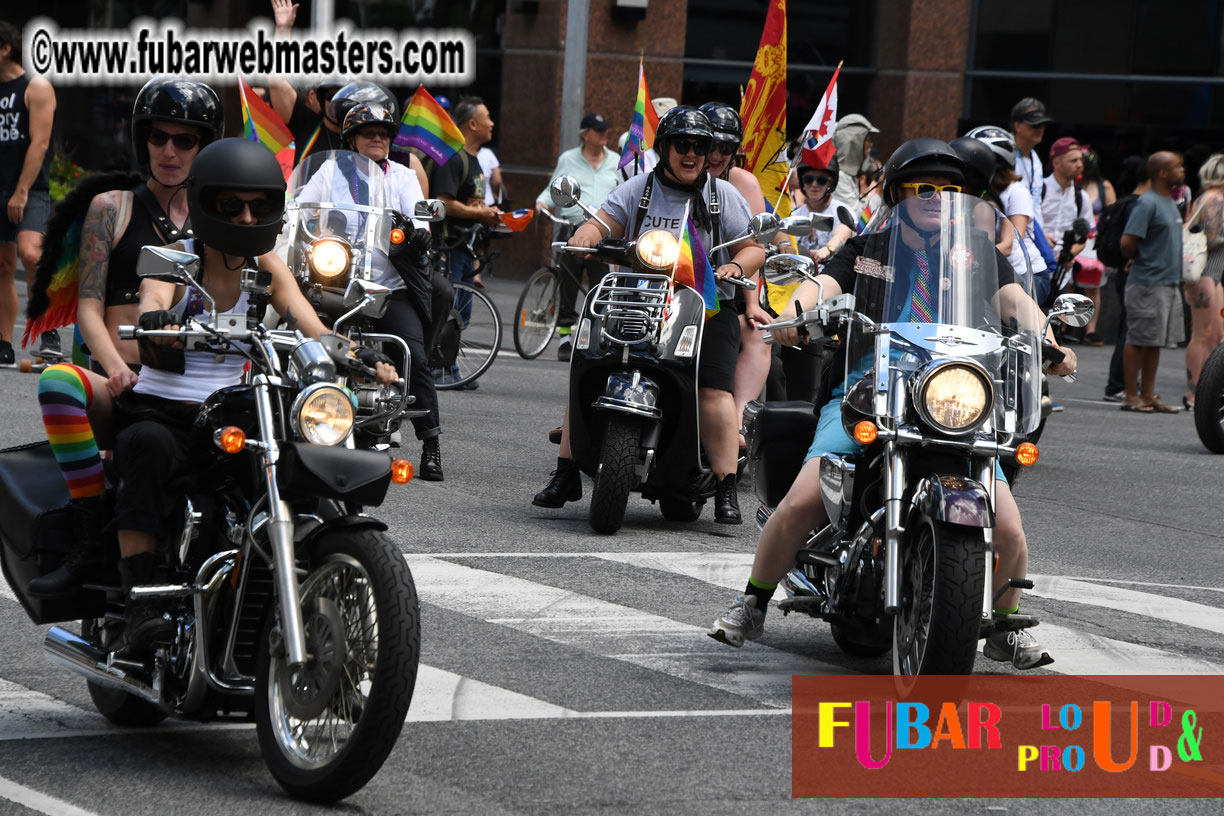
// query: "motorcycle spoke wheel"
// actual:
[[479, 342], [536, 315], [1209, 402]]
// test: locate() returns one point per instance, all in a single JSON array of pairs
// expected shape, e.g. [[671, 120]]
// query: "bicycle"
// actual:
[[537, 312], [469, 343]]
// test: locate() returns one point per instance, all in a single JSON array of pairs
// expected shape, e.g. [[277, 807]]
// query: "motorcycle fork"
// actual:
[[986, 476], [894, 491], [280, 533]]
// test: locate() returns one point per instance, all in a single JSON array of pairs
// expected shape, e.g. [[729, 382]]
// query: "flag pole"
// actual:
[[794, 162]]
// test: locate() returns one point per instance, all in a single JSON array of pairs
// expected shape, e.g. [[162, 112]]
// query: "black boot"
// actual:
[[85, 560], [145, 622], [431, 460], [564, 486], [726, 501]]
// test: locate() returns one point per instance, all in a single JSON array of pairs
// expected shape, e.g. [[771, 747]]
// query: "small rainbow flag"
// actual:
[[694, 271], [428, 127], [865, 217], [261, 124], [645, 122]]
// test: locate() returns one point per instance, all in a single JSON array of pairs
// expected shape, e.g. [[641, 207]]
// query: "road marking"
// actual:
[[1082, 653], [1160, 607], [41, 802], [613, 631], [1148, 583]]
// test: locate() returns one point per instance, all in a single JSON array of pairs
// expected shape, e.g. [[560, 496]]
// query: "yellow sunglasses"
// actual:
[[928, 191]]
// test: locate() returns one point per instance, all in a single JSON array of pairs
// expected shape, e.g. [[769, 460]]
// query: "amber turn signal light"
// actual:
[[1027, 453], [230, 440], [397, 236], [865, 432], [401, 471]]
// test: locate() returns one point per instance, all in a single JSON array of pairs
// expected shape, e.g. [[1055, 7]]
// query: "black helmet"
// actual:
[[1000, 142], [724, 121], [681, 121], [980, 163], [920, 157], [833, 168], [184, 101], [242, 165], [366, 113], [355, 93]]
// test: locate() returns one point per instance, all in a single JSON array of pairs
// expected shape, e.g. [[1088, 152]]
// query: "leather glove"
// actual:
[[160, 355], [151, 321], [420, 240], [370, 357]]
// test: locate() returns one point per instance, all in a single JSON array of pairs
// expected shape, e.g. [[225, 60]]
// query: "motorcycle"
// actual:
[[904, 562], [291, 606], [1209, 402], [633, 413], [338, 251]]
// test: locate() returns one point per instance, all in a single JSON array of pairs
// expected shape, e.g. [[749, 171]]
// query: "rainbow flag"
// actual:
[[763, 111], [645, 122], [261, 124], [865, 217], [427, 127], [694, 271]]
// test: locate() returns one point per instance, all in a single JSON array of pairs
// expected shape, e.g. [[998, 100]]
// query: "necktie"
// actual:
[[922, 304]]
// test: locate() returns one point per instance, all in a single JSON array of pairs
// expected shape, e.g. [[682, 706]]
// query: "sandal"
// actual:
[[1158, 407], [1137, 407]]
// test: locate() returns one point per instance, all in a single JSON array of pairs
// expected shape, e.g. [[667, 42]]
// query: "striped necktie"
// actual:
[[922, 304]]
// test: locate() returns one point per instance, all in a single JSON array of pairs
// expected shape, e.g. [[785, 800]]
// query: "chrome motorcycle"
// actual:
[[935, 395], [291, 606]]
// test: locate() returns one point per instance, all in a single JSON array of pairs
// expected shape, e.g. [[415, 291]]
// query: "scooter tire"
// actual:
[[617, 460]]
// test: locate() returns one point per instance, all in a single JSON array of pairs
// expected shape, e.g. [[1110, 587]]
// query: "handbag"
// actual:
[[1194, 250]]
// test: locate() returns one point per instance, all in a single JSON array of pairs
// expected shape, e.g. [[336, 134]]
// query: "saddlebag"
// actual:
[[357, 476], [779, 435], [36, 531]]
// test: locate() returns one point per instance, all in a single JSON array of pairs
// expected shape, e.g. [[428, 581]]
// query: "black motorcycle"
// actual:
[[291, 606]]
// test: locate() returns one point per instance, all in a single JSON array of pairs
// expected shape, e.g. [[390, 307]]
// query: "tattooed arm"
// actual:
[[99, 234], [1212, 219]]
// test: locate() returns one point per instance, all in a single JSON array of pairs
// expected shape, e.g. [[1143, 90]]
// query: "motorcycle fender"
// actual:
[[955, 500], [334, 473], [350, 522], [630, 393]]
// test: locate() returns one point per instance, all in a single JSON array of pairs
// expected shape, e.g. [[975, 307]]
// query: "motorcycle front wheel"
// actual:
[[325, 730], [942, 570], [617, 459], [1209, 402]]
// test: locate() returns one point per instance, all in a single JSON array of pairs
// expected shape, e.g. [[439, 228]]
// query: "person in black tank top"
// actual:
[[27, 112]]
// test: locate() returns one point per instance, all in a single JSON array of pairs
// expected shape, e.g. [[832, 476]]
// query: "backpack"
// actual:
[[1110, 229]]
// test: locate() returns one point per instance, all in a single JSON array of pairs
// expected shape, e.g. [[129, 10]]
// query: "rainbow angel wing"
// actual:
[[61, 290]]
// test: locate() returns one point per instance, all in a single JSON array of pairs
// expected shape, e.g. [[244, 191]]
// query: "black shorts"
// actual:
[[720, 344]]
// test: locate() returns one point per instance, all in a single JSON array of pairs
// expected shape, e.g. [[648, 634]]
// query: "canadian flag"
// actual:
[[818, 146]]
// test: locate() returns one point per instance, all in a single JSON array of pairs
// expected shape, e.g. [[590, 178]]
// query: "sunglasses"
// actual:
[[725, 147], [182, 141], [817, 179], [374, 133], [928, 191], [684, 146], [232, 206]]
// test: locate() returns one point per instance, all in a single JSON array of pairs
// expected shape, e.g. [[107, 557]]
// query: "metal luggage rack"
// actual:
[[631, 305]]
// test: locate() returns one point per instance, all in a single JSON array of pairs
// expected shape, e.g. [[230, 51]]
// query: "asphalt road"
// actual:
[[569, 672]]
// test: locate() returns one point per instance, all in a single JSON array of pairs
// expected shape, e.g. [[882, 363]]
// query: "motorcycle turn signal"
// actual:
[[1027, 453], [401, 471]]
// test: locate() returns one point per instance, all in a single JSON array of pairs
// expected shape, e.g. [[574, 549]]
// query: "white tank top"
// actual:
[[203, 372]]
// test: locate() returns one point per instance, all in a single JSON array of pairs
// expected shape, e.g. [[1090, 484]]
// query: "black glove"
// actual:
[[151, 321], [370, 357], [420, 240]]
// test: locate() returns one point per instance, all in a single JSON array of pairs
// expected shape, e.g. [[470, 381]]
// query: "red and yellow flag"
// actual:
[[261, 124], [763, 111]]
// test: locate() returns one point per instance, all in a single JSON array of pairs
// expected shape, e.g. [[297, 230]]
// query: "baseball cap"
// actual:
[[593, 121], [1064, 145], [1030, 111]]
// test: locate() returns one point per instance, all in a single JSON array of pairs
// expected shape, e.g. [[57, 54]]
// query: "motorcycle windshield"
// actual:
[[338, 194], [937, 287]]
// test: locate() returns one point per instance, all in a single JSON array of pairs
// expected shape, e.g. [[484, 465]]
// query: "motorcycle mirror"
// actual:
[[764, 226], [430, 209], [786, 270], [1074, 310], [359, 290], [803, 225], [565, 191], [167, 264]]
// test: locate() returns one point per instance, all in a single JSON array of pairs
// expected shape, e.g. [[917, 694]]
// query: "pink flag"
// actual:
[[818, 136]]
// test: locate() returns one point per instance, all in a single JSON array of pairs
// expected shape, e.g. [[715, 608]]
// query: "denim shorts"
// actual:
[[831, 436], [34, 219]]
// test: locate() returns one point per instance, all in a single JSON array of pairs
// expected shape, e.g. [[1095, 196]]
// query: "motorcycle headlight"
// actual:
[[322, 414], [954, 397], [658, 249], [329, 261]]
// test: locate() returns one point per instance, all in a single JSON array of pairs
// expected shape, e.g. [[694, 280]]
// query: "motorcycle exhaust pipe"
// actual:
[[78, 655]]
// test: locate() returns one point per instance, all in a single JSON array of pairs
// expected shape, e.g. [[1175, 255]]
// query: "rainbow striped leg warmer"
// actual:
[[64, 395]]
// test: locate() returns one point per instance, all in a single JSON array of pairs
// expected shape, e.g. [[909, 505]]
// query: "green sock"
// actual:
[[565, 330], [1011, 611], [761, 590]]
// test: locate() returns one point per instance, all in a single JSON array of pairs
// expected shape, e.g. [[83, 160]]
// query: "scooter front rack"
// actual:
[[630, 306]]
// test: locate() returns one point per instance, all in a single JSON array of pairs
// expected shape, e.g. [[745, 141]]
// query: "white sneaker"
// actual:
[[1018, 647], [743, 621]]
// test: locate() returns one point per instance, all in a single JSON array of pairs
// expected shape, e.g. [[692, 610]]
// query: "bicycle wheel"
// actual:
[[535, 317], [479, 340]]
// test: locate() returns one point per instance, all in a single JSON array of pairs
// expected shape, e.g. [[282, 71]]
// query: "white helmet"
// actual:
[[999, 141]]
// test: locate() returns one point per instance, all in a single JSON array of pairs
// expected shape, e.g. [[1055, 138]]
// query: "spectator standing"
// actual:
[[1206, 298], [1093, 273], [1152, 241], [305, 115], [856, 185], [594, 166], [25, 181], [1134, 178], [1029, 120], [1062, 203], [491, 167]]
